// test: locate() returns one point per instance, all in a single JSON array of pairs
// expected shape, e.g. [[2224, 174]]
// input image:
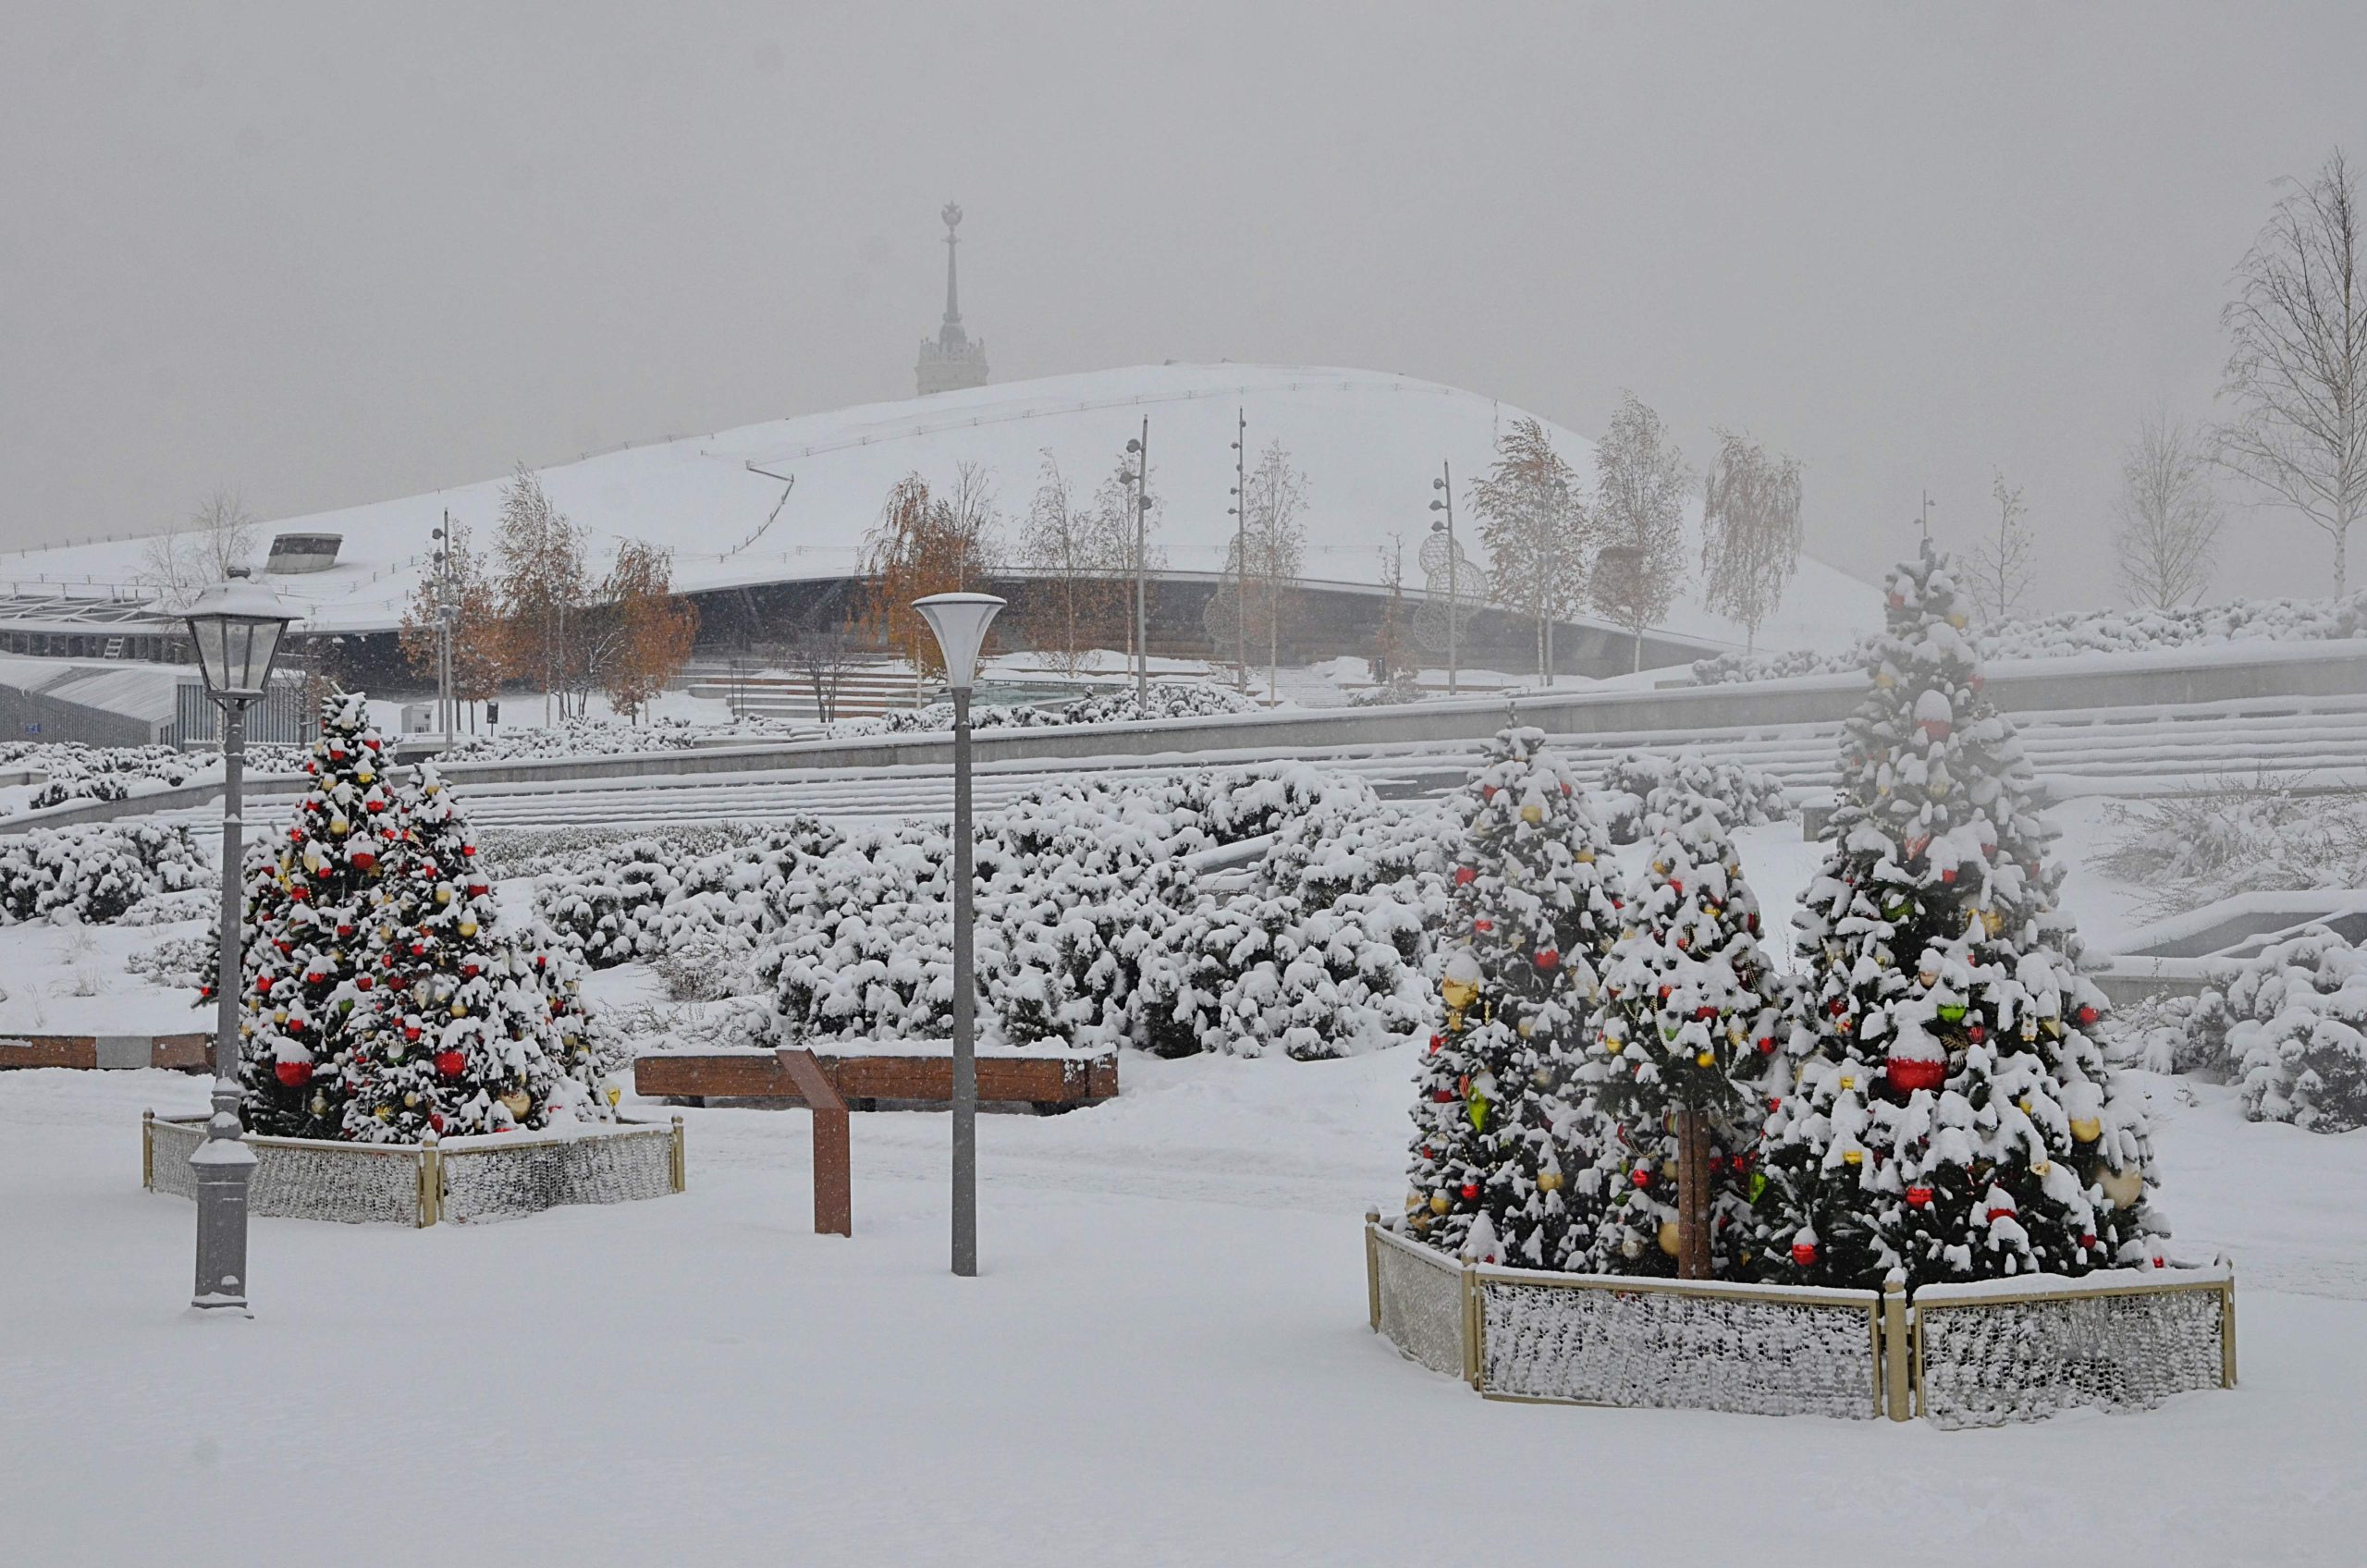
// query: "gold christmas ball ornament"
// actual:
[[443, 894], [340, 827], [1631, 1247], [468, 928], [2124, 1188], [1413, 1201], [1707, 1059], [459, 1010], [1457, 994], [2086, 1129], [1532, 812], [1669, 1239], [1853, 1156], [517, 1102], [1848, 1083], [1548, 1181], [1440, 1203], [1586, 857]]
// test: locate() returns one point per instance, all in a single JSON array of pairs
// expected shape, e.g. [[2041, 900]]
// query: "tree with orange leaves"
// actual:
[[924, 544]]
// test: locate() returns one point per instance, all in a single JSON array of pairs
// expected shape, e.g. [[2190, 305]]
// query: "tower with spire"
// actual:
[[950, 361]]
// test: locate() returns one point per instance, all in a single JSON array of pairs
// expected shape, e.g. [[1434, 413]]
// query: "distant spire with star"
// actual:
[[950, 361]]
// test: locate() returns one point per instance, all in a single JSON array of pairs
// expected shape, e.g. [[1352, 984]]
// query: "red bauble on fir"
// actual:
[[450, 1063], [1443, 1095], [1703, 1014], [1767, 1044], [1666, 991], [1948, 873], [1976, 1033], [1804, 1253], [468, 849], [263, 984], [1641, 1177], [2087, 1014], [1488, 791], [2087, 1243], [344, 929], [2002, 1211], [1464, 875], [1470, 1191], [435, 1121], [1483, 926], [1436, 1040], [300, 892], [469, 970], [364, 860], [1547, 957], [410, 1032], [418, 949], [362, 982], [1918, 1197], [294, 1074], [1908, 1073]]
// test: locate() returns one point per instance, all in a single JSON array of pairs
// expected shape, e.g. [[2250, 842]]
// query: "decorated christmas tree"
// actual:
[[308, 905], [1533, 911], [1952, 1114], [1688, 1031], [479, 1026]]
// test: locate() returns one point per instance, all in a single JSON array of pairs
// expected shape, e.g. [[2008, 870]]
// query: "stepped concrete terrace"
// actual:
[[2094, 724]]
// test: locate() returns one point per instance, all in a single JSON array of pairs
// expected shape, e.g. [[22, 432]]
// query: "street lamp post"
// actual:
[[1444, 483], [1241, 545], [1140, 452], [959, 622], [237, 625]]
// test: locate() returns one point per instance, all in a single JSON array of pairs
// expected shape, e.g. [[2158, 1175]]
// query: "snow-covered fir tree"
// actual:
[[1953, 1115], [308, 904], [1689, 1030], [1532, 913], [478, 1025]]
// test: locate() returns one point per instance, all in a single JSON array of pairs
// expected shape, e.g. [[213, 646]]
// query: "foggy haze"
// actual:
[[325, 256]]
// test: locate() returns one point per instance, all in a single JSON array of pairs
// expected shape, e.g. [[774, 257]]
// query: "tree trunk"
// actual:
[[1692, 1194], [2341, 555], [1638, 667]]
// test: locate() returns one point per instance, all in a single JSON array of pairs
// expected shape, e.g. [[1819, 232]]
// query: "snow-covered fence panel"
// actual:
[[1762, 1350], [2022, 1350], [465, 1179], [506, 1174], [1418, 1302], [1599, 1339]]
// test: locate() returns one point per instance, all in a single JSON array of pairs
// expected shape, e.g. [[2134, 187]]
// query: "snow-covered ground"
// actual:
[[1164, 1361]]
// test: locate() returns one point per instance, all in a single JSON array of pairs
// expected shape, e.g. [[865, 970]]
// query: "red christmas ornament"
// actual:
[[2086, 1242], [1566, 787], [450, 1063], [2087, 1014], [1676, 886], [294, 1074], [468, 849], [263, 984], [296, 835], [344, 929], [1443, 1095], [1976, 1033], [411, 1031], [1547, 957], [1767, 1044], [1918, 1197], [1483, 924], [337, 753], [362, 982], [1665, 990], [1703, 1014], [1470, 1191], [364, 860], [2003, 1211], [204, 993], [1641, 1177], [1464, 875], [1948, 873], [1774, 1102], [1908, 1073], [1838, 1006], [1488, 791], [1717, 1163], [300, 892], [374, 803], [1436, 1040], [469, 970], [436, 1120], [418, 949], [1804, 1253]]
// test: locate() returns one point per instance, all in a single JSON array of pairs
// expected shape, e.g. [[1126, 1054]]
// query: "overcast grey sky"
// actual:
[[329, 253]]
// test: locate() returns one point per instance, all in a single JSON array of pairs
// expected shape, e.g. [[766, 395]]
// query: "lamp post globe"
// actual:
[[237, 627], [959, 622]]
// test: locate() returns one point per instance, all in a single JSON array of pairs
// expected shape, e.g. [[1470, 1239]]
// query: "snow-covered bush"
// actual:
[[1263, 975], [2199, 846], [176, 964], [615, 902], [2290, 1028], [1642, 788], [95, 873], [2090, 631], [1168, 700], [201, 903]]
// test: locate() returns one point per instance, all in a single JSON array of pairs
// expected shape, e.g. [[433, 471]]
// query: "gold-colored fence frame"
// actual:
[[428, 1156], [1895, 1330], [2223, 1283]]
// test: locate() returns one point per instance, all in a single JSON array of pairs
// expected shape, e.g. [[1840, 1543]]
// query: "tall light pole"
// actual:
[[1241, 545], [1140, 452], [448, 616], [1444, 483], [959, 622], [237, 625]]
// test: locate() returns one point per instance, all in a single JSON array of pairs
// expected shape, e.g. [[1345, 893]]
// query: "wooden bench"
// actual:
[[868, 1077], [187, 1053]]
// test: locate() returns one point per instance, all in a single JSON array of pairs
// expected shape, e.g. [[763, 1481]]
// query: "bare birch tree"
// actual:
[[1535, 525], [2168, 515], [1750, 530], [2296, 359], [1277, 543], [1078, 598], [1640, 483], [200, 550], [1998, 567], [541, 558]]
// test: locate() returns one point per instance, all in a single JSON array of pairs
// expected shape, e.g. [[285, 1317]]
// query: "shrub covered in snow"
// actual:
[[641, 899], [96, 873], [1643, 790], [2090, 631], [73, 771], [2193, 848], [1168, 700], [2290, 1028], [579, 738], [1263, 974]]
